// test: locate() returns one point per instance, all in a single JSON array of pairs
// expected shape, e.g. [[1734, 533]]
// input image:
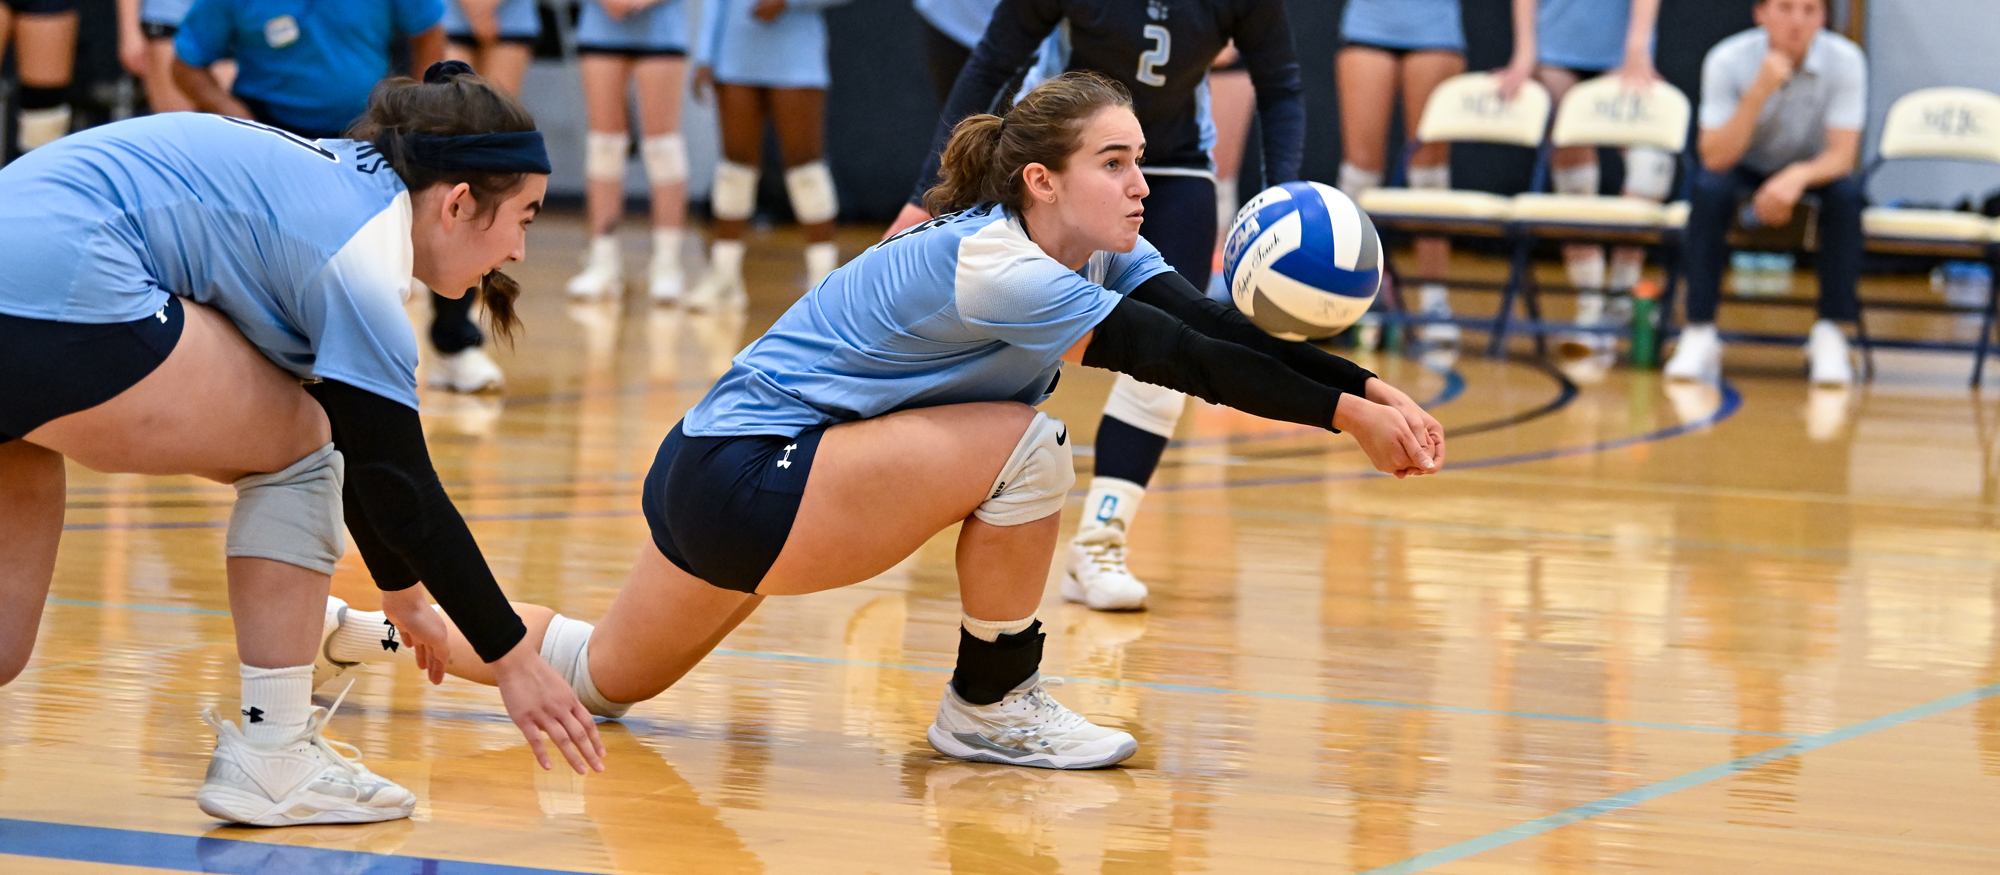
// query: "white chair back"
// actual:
[[1953, 123], [1603, 112], [1467, 109]]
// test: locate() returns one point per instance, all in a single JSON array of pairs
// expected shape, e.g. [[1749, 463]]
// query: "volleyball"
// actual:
[[1302, 261]]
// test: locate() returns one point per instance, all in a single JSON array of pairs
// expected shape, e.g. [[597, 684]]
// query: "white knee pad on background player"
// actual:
[[735, 195], [666, 158], [1581, 179], [1156, 409], [292, 516], [566, 648], [1649, 173], [1436, 178], [40, 127], [810, 186], [1036, 480], [604, 156]]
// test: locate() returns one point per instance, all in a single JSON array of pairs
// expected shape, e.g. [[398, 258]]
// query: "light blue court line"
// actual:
[[1650, 792], [1294, 697], [121, 606], [181, 853]]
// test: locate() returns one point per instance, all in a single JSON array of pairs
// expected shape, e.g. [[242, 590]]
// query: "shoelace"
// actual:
[[1105, 549], [347, 755], [1055, 716]]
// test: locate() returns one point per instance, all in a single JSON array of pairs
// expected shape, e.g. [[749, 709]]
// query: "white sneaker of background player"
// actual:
[[469, 370], [1590, 313], [603, 274], [665, 282], [715, 290], [1434, 302], [1095, 574], [1697, 355], [1826, 349], [306, 780], [1025, 728]]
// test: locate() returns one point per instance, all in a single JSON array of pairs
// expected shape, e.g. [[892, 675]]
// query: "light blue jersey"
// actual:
[[959, 309], [1585, 35], [167, 13], [1409, 25], [518, 20], [789, 52], [304, 245], [660, 28], [306, 66], [962, 20]]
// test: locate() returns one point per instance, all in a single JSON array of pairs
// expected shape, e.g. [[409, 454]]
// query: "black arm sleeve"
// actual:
[[1264, 37], [1172, 293], [404, 524], [1012, 36], [1138, 339]]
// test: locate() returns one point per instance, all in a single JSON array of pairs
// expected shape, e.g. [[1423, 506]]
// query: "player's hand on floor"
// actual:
[[421, 629], [541, 704], [1384, 434]]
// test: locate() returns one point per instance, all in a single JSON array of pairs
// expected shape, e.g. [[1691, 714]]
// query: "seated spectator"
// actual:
[[1781, 112]]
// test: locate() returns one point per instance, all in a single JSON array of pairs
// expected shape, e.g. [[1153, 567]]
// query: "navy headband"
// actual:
[[511, 152]]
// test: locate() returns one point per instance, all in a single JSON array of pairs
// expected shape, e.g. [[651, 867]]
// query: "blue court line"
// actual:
[[1696, 778], [124, 606], [183, 853], [1295, 697]]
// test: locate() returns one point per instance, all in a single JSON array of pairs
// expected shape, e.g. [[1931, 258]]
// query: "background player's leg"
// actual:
[[1232, 100], [161, 93], [606, 147], [504, 63], [664, 152], [1430, 167], [31, 513], [1574, 170], [1367, 80], [45, 58], [1139, 418], [740, 113], [800, 114]]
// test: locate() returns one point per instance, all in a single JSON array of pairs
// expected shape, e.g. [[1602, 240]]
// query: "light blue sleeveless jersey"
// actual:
[[661, 27], [1404, 24], [518, 19], [789, 52], [962, 20], [959, 309], [1582, 34], [304, 245]]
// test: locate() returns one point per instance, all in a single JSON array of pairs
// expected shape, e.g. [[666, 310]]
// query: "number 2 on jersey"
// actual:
[[1156, 57]]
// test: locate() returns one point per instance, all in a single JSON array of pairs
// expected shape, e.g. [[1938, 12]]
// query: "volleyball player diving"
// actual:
[[895, 400], [171, 281], [1161, 52]]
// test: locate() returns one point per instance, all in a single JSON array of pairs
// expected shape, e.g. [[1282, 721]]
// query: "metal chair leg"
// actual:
[[1986, 326], [1515, 273]]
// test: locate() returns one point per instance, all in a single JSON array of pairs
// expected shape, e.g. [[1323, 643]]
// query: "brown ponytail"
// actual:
[[449, 105], [986, 154]]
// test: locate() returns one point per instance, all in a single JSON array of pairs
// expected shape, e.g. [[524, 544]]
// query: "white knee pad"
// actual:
[[810, 186], [292, 516], [1581, 179], [1649, 173], [566, 648], [40, 127], [666, 158], [1036, 479], [735, 194], [1354, 181], [604, 156], [1438, 177], [1156, 409]]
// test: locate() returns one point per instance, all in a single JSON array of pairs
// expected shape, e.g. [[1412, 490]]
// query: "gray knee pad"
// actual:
[[292, 516], [1036, 479]]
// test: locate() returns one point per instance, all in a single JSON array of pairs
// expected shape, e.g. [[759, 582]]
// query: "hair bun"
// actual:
[[442, 72]]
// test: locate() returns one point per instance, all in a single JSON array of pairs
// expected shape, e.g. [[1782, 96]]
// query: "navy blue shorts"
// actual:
[[1180, 222], [722, 507], [49, 370]]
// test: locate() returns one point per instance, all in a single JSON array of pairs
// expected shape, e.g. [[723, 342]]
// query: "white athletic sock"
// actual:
[[1112, 501], [1585, 265], [1627, 263], [364, 636], [821, 259], [1353, 181], [726, 257], [667, 242], [1225, 204], [276, 703], [990, 630], [1434, 178]]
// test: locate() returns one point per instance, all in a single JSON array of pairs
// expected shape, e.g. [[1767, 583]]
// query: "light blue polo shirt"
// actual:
[[1829, 90]]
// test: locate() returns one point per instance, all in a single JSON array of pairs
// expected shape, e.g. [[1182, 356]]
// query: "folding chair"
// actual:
[[1463, 109], [1952, 124], [1602, 112]]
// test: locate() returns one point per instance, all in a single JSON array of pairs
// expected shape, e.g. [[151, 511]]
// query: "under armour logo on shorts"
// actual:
[[786, 462], [162, 315]]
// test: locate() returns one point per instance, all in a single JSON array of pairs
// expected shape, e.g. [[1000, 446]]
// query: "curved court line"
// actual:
[[1650, 792], [1732, 401], [1454, 386], [184, 853]]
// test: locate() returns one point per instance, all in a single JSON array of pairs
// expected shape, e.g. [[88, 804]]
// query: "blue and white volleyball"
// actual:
[[1302, 261]]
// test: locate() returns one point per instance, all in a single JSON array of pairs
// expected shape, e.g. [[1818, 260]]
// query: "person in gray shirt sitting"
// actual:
[[1782, 106]]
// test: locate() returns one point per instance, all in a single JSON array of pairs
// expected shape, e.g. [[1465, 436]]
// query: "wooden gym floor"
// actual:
[[1631, 628]]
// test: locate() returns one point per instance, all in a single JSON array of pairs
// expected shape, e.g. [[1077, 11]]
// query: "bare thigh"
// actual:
[[45, 49], [505, 64], [1422, 72], [605, 92], [659, 81], [741, 110], [1367, 81], [161, 93], [801, 119], [216, 408], [882, 487]]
